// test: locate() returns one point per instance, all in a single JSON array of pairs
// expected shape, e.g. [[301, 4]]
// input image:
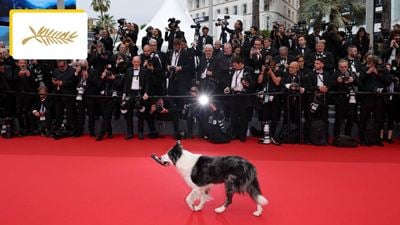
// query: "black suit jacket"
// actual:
[[201, 43], [182, 78], [328, 58], [143, 81]]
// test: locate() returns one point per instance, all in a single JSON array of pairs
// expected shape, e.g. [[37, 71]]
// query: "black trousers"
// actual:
[[107, 107], [24, 112], [239, 116], [344, 112], [371, 105], [68, 103], [142, 116], [271, 111], [86, 106], [390, 110]]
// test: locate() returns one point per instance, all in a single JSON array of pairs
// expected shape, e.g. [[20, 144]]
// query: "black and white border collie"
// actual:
[[201, 172]]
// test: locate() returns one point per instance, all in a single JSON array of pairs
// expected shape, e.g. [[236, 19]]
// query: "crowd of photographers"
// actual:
[[288, 80]]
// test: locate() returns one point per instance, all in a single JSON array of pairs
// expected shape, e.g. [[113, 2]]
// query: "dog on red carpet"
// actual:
[[201, 172]]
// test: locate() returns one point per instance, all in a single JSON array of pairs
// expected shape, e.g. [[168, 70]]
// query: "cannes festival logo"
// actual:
[[48, 36]]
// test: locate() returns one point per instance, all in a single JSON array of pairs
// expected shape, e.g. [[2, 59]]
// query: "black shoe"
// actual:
[[99, 138], [153, 135], [140, 136], [275, 141], [129, 136], [379, 143], [389, 140], [242, 139]]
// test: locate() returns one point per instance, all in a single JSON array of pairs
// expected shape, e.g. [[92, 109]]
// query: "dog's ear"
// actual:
[[175, 153]]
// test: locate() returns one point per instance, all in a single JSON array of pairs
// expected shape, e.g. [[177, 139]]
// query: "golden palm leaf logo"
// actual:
[[48, 36]]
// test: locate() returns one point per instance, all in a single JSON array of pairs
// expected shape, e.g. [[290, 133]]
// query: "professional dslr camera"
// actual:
[[345, 77], [380, 90], [294, 87], [300, 28], [223, 22], [173, 24], [81, 90], [38, 71]]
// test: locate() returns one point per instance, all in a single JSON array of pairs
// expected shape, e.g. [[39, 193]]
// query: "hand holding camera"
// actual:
[[323, 89], [394, 44]]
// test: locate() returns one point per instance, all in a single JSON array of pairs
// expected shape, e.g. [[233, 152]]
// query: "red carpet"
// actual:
[[84, 182]]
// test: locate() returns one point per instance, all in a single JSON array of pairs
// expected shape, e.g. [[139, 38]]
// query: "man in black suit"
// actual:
[[321, 53], [180, 70], [318, 82], [241, 82], [24, 83], [302, 49], [64, 82], [134, 97], [87, 79], [355, 64], [268, 49], [204, 39], [283, 59], [41, 112], [207, 72], [174, 33]]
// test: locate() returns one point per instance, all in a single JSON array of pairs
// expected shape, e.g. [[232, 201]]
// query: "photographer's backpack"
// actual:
[[371, 132], [318, 132], [344, 141], [289, 133]]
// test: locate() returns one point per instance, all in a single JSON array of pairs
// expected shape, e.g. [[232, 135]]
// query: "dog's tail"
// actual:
[[255, 193]]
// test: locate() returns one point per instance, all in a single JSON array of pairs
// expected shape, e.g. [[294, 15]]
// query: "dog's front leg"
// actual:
[[192, 196]]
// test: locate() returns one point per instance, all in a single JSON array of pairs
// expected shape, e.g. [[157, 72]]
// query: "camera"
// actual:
[[314, 107], [108, 70], [380, 90], [187, 111], [172, 72], [124, 104], [39, 75], [247, 33], [223, 22], [81, 90], [197, 26], [294, 87], [121, 21], [281, 66], [173, 23]]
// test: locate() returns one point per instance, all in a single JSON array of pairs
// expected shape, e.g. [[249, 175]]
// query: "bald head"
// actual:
[[294, 67]]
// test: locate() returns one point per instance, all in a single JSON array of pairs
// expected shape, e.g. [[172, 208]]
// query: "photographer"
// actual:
[[166, 110], [108, 89], [294, 84], [204, 39], [256, 60], [268, 49], [391, 101], [318, 82], [134, 97], [7, 101], [41, 112], [24, 82], [373, 79], [157, 55], [283, 59], [321, 53], [345, 104], [207, 71], [240, 82], [64, 83], [106, 40], [281, 39], [98, 57], [173, 32], [270, 105], [149, 34], [393, 50], [180, 70], [88, 80]]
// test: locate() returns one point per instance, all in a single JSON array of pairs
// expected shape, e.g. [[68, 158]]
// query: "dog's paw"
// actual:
[[220, 209], [257, 213], [197, 208]]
